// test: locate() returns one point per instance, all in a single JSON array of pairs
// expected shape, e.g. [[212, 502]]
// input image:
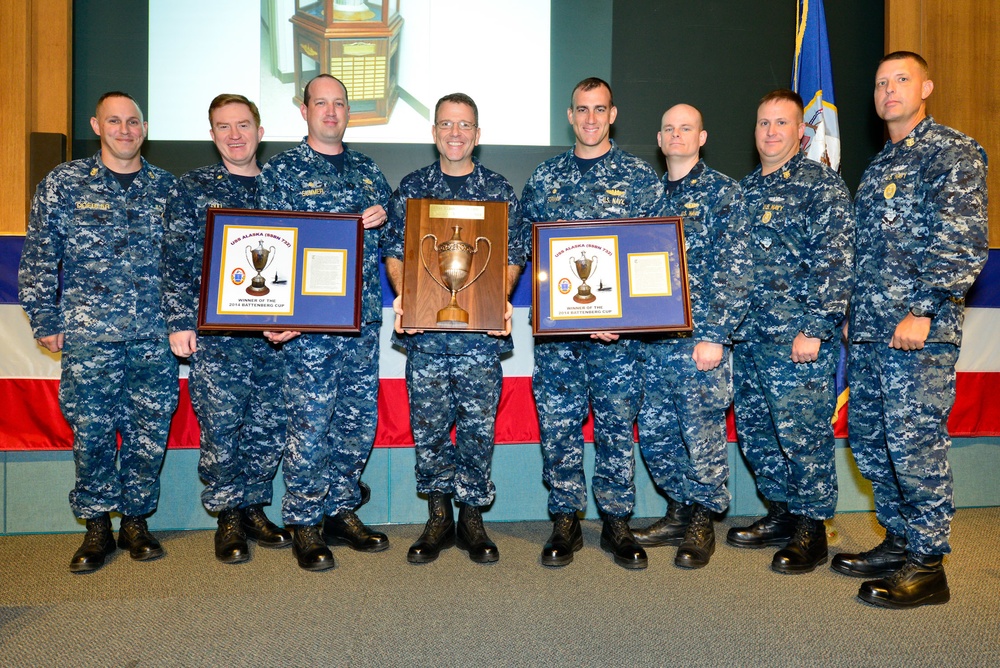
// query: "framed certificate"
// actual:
[[454, 265], [281, 270], [621, 276]]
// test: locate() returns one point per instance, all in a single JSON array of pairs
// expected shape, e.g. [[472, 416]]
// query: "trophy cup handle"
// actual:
[[572, 267], [424, 261], [246, 253], [270, 259], [594, 267], [489, 254]]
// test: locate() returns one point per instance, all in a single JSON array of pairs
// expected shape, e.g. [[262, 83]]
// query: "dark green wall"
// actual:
[[720, 55]]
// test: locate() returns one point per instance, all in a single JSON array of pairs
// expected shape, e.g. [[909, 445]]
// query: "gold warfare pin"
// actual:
[[890, 191]]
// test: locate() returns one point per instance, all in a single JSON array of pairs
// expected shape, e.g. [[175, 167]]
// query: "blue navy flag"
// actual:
[[812, 78]]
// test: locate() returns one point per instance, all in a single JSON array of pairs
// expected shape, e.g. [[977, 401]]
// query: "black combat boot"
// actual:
[[439, 532], [230, 541], [134, 536], [617, 539], [566, 538], [471, 536], [310, 549], [880, 562], [921, 581], [345, 528], [669, 529], [699, 540], [98, 543], [366, 494], [773, 529], [805, 551], [257, 527]]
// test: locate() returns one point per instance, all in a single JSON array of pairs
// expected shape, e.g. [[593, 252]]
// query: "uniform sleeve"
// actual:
[[395, 227], [181, 260], [532, 202], [516, 254], [382, 189], [650, 199], [732, 268], [533, 209], [958, 239], [38, 273], [831, 271], [271, 195]]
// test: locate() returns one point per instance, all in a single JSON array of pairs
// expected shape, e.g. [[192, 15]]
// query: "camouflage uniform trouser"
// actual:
[[569, 378], [784, 417], [124, 386], [682, 424], [331, 390], [235, 385], [463, 390], [898, 427]]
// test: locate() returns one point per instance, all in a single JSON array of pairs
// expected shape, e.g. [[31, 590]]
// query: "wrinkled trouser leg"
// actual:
[[898, 428]]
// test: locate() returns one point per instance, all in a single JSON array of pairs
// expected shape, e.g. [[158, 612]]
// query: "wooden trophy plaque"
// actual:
[[455, 265]]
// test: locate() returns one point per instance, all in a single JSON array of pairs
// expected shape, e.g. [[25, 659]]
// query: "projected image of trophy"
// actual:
[[454, 262], [583, 268], [260, 258]]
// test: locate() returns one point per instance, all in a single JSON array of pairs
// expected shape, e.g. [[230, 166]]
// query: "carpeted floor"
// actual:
[[376, 610]]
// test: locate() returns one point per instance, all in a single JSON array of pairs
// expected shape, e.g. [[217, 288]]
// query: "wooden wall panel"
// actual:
[[903, 25], [35, 90], [51, 63], [15, 102], [959, 40]]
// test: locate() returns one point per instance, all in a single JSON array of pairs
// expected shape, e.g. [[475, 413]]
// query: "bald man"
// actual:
[[687, 377]]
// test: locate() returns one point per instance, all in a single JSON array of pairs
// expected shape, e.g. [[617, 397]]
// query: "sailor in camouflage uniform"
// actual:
[[595, 179], [101, 218], [235, 380], [687, 378], [787, 348], [453, 378], [331, 383], [922, 239]]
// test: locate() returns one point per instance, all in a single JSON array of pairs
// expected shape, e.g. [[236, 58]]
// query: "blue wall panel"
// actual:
[[35, 486]]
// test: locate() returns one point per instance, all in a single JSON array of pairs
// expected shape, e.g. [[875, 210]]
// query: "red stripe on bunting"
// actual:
[[31, 420], [976, 411]]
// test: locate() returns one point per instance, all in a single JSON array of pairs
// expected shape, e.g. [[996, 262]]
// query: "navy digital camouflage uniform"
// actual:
[[454, 377], [574, 374], [802, 245], [922, 240], [331, 382], [236, 378], [118, 373], [682, 423]]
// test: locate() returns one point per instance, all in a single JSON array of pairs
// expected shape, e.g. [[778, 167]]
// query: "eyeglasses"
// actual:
[[464, 126]]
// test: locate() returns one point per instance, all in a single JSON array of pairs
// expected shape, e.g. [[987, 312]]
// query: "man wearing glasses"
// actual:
[[453, 378]]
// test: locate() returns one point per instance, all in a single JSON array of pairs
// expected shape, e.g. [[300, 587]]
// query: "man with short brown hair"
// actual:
[[331, 384], [786, 350], [454, 378], [922, 240], [573, 374], [100, 220], [235, 379]]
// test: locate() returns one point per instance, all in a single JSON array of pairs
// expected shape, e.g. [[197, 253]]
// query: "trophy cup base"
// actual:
[[584, 299], [258, 292], [453, 317]]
